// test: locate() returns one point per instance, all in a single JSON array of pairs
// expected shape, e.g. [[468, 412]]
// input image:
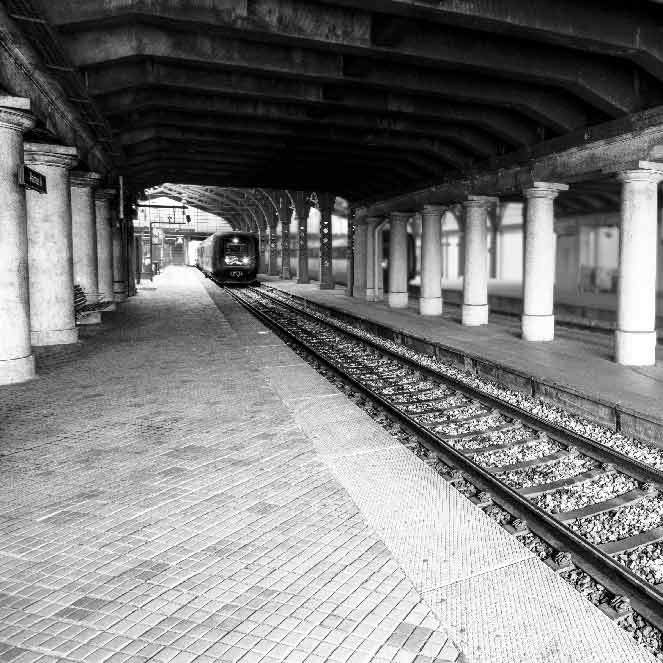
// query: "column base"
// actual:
[[635, 348], [369, 296], [92, 318], [305, 281], [54, 337], [17, 370], [119, 297], [327, 286], [474, 315], [359, 293], [398, 300], [538, 327], [430, 305]]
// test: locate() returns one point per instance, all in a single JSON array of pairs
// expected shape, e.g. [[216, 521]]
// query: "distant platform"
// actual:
[[575, 370]]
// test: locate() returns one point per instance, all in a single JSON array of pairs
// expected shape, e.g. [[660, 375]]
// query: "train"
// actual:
[[231, 258]]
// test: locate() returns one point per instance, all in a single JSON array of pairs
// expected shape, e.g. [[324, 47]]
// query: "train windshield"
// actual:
[[237, 251]]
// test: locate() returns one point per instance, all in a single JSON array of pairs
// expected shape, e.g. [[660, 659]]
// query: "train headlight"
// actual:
[[246, 260], [228, 260]]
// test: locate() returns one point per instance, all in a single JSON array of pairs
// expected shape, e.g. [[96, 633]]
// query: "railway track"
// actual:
[[588, 510]]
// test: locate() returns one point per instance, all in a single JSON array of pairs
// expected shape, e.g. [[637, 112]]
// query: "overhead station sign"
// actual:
[[31, 179]]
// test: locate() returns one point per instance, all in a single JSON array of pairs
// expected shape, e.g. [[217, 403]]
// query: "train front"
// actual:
[[237, 258]]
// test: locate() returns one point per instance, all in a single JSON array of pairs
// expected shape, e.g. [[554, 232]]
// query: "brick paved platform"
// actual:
[[182, 487], [575, 370]]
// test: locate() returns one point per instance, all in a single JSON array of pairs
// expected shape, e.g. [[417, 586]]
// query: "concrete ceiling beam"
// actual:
[[608, 86], [501, 123]]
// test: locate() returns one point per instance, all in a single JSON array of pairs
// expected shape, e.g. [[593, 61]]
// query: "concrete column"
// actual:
[[104, 219], [378, 236], [635, 337], [538, 321], [302, 210], [398, 295], [475, 278], [360, 263], [659, 254], [326, 265], [430, 300], [131, 261], [84, 236], [120, 283], [16, 360], [273, 246], [50, 251]]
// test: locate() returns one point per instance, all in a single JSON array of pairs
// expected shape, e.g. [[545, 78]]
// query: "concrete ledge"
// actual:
[[609, 414]]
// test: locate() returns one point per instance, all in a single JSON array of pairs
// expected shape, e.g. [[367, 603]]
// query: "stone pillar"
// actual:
[[302, 210], [285, 214], [398, 295], [84, 235], [131, 260], [430, 299], [475, 276], [635, 337], [538, 321], [493, 219], [16, 360], [104, 220], [273, 246], [120, 284], [326, 266], [50, 250], [379, 259], [360, 264]]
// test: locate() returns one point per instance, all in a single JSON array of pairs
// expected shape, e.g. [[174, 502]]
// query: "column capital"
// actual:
[[480, 201], [16, 118], [433, 210], [45, 154], [548, 190], [373, 220], [84, 180], [653, 173], [400, 216]]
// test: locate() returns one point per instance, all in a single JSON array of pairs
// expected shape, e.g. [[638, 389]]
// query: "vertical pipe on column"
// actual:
[[538, 321], [475, 277], [16, 358], [326, 256], [398, 295], [430, 299], [635, 337], [50, 248]]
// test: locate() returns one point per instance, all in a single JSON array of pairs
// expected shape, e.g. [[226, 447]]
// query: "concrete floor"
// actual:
[[183, 487]]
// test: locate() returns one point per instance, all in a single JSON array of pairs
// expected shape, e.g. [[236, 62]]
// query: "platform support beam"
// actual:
[[285, 215], [538, 321], [475, 278], [50, 251], [84, 235], [273, 245], [398, 295], [302, 210], [102, 204], [16, 359], [326, 265], [635, 336], [430, 300]]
